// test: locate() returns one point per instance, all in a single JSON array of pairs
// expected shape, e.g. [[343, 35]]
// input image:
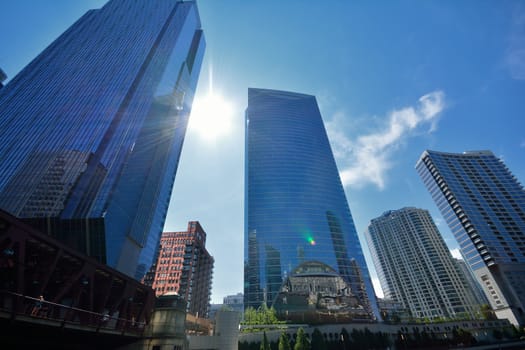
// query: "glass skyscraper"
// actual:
[[416, 268], [302, 253], [484, 206], [92, 129]]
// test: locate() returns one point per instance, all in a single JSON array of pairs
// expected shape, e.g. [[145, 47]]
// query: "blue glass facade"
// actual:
[[299, 232], [93, 127], [484, 206]]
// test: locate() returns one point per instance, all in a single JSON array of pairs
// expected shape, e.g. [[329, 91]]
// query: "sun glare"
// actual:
[[211, 116]]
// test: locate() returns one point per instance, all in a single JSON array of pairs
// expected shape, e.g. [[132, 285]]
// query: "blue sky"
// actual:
[[392, 79]]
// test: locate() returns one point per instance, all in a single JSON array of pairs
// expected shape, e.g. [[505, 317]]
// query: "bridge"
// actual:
[[52, 296]]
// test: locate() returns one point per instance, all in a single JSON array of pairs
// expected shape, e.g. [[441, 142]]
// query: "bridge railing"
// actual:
[[77, 288], [29, 309]]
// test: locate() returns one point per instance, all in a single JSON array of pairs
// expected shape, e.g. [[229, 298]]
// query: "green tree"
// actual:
[[318, 342], [462, 336], [487, 313], [271, 316], [301, 343], [360, 338], [265, 344], [395, 319], [250, 316], [284, 342], [382, 340], [516, 332], [496, 333], [261, 314], [402, 341], [345, 339]]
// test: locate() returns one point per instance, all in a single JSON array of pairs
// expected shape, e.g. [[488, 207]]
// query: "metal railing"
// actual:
[[37, 310]]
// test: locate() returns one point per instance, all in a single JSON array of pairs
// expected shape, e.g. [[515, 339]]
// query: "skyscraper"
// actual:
[[479, 296], [302, 253], [415, 266], [185, 267], [92, 129], [484, 206]]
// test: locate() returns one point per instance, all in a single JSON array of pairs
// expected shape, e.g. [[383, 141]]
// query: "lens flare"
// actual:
[[211, 116]]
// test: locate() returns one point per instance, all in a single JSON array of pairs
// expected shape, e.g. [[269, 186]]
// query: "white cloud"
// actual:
[[368, 157], [515, 53], [515, 61]]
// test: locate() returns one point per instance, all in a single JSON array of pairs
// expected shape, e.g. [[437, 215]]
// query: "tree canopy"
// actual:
[[284, 342], [263, 315], [301, 343], [265, 345]]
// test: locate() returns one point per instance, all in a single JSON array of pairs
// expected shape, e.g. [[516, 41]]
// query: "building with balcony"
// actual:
[[484, 206], [416, 268]]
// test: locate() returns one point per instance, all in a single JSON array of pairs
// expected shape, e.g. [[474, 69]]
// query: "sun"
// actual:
[[211, 116]]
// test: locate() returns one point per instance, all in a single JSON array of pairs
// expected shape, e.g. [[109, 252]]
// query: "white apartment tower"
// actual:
[[415, 266]]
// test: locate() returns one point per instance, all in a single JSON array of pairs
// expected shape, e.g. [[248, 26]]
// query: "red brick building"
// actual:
[[185, 267]]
